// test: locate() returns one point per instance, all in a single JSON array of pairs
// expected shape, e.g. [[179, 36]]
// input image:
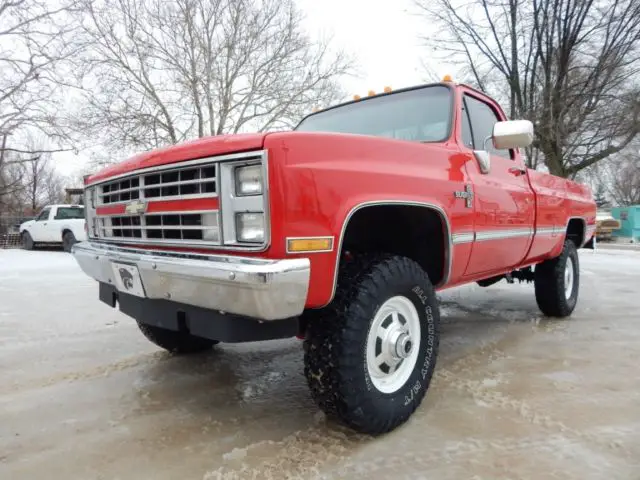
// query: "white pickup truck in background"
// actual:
[[63, 224]]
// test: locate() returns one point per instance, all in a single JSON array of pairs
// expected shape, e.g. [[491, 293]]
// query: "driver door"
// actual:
[[504, 205], [39, 229]]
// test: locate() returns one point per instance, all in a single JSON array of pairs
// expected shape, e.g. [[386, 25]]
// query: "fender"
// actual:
[[584, 229], [448, 241], [557, 250]]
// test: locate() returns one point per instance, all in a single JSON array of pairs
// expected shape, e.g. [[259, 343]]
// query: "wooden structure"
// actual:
[[70, 193]]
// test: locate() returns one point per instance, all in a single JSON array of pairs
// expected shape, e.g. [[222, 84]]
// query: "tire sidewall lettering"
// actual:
[[420, 377]]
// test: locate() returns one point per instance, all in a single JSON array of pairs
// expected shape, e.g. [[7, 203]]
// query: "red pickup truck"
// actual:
[[339, 232]]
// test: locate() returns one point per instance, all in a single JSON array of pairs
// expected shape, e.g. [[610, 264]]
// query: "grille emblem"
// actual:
[[136, 207]]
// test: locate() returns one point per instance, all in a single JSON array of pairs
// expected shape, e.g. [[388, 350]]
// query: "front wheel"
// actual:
[[370, 355], [27, 241], [557, 282], [180, 343]]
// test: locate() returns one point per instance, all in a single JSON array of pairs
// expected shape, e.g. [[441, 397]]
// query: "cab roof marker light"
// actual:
[[387, 89]]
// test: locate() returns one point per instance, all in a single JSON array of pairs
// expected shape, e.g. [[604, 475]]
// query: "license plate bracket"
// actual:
[[127, 279]]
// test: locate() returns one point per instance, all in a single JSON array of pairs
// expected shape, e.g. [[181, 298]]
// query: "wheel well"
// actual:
[[417, 232], [575, 231], [64, 232]]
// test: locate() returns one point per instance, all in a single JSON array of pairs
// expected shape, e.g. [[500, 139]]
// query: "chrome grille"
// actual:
[[174, 184], [163, 226], [141, 208]]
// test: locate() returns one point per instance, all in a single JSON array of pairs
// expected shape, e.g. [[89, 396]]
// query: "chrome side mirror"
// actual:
[[484, 161], [512, 134]]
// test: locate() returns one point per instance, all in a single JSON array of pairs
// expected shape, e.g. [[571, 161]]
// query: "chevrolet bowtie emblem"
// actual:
[[467, 194], [136, 207]]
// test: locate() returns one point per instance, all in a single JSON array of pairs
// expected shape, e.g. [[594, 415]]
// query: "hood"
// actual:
[[200, 148], [24, 225]]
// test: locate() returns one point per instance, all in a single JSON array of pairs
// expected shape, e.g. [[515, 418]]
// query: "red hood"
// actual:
[[202, 147]]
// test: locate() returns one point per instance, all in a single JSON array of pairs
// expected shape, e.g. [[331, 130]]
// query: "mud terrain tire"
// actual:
[[338, 345], [180, 343], [557, 282]]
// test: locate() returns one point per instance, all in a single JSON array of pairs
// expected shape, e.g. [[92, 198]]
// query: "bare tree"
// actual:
[[33, 42], [162, 72], [42, 184], [11, 186], [624, 172], [570, 66], [28, 184]]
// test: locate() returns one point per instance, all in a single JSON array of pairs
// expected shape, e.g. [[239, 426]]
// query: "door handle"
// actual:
[[517, 171]]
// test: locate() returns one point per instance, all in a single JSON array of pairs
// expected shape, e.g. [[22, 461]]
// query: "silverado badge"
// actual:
[[136, 207], [467, 194]]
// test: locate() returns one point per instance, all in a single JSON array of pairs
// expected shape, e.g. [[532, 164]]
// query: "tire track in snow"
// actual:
[[92, 373]]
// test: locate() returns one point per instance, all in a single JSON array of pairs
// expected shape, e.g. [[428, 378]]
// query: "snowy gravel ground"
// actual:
[[515, 396]]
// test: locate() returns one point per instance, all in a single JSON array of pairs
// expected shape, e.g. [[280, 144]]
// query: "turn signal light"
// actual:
[[319, 244]]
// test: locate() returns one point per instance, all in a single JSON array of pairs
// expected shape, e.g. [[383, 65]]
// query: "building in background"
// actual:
[[629, 218]]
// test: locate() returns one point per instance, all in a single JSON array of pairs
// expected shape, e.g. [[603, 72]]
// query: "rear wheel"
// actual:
[[27, 241], [557, 282], [370, 355], [68, 241], [175, 342]]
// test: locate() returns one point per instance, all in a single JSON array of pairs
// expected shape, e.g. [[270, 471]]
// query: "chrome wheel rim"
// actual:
[[569, 274], [393, 343]]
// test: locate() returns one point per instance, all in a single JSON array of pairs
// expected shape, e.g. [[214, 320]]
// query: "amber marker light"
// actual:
[[309, 244]]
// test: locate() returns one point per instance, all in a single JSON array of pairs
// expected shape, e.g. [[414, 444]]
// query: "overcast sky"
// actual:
[[382, 36]]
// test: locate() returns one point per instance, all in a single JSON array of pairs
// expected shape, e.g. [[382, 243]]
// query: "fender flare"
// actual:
[[448, 240]]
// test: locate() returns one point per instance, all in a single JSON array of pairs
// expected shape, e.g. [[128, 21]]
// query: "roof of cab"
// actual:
[[382, 94]]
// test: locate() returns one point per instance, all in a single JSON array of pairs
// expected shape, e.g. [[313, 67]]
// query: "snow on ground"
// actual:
[[516, 395]]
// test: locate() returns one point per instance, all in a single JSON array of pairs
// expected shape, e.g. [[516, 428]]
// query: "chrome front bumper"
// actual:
[[252, 287]]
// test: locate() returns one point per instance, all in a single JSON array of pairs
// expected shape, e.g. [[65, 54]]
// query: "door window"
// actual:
[[65, 213], [467, 135], [44, 215], [483, 118]]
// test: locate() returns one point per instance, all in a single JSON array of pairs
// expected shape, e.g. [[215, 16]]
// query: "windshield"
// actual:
[[69, 212], [419, 115]]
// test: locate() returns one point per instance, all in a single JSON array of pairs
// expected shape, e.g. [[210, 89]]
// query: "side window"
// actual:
[[44, 215], [483, 118], [467, 134]]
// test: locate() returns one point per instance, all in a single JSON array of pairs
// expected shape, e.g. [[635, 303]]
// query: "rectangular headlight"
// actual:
[[250, 227], [248, 180]]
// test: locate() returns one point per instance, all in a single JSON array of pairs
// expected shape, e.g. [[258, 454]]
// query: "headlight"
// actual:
[[250, 227], [248, 180]]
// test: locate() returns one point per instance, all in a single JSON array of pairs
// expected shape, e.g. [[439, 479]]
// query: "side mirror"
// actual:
[[512, 134]]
